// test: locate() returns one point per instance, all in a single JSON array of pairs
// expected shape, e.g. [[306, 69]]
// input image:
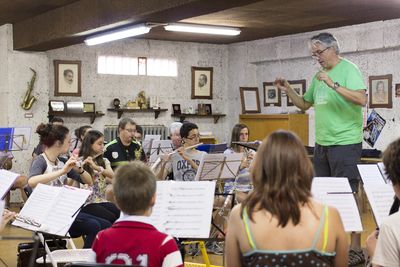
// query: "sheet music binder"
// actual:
[[218, 166], [51, 209]]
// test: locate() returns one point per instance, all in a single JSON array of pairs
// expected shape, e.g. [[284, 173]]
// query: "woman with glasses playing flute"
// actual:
[[185, 161]]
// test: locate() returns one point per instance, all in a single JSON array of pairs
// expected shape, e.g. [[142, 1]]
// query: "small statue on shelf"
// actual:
[[141, 100]]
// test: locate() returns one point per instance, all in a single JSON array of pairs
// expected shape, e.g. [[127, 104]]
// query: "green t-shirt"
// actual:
[[337, 120]]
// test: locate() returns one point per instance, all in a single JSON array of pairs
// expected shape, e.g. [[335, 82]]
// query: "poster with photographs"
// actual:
[[375, 124]]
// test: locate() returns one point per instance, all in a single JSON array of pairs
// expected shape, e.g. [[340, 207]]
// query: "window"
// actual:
[[129, 66]]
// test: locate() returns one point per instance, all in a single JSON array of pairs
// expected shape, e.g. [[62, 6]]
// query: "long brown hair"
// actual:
[[235, 137], [282, 176]]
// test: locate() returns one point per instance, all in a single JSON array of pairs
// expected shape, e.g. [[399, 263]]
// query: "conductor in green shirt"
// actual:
[[338, 93]]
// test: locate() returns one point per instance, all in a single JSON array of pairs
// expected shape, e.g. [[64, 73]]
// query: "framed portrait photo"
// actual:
[[208, 109], [397, 94], [67, 78], [202, 83], [272, 95], [176, 109], [299, 86], [250, 100], [380, 91]]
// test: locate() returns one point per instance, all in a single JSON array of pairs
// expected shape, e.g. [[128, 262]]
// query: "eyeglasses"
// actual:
[[193, 137], [318, 53]]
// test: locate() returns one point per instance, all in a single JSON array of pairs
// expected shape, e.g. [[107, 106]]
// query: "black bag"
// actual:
[[25, 251]]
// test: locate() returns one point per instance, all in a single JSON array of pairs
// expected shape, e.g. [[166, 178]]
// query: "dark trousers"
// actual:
[[338, 161], [88, 226], [105, 210]]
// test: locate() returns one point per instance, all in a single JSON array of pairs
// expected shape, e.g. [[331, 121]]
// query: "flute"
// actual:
[[186, 148]]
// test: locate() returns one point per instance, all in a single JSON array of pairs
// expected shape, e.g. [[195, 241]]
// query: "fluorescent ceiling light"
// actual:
[[118, 34], [180, 27]]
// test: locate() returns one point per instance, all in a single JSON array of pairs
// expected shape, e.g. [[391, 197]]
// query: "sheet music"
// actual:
[[53, 208], [160, 147], [336, 192], [7, 180], [382, 169], [148, 139], [370, 174], [2, 204], [381, 199], [184, 209], [218, 166]]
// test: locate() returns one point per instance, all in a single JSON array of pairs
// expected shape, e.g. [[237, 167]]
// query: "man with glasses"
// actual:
[[124, 148], [338, 93]]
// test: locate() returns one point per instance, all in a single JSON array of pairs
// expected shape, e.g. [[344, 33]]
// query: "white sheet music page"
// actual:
[[7, 180], [336, 192], [370, 174], [54, 208], [159, 147], [381, 199], [37, 206], [210, 167], [184, 209], [64, 209]]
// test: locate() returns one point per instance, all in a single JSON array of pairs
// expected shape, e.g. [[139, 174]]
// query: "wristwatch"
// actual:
[[336, 85]]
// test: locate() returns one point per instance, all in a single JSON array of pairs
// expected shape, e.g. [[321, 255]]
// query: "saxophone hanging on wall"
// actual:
[[29, 99]]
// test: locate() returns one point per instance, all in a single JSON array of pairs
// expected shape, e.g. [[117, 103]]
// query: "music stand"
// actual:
[[14, 139], [158, 147]]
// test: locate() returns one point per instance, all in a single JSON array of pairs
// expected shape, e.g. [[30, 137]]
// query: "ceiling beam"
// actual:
[[72, 23]]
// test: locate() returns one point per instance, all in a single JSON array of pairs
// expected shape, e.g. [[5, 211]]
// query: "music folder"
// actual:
[[51, 209]]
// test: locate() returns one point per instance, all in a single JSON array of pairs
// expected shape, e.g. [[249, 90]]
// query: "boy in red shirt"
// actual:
[[132, 240]]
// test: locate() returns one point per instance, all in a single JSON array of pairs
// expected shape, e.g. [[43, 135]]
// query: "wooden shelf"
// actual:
[[182, 116], [121, 111], [91, 115]]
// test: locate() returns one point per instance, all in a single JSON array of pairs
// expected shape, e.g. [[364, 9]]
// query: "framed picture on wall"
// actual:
[[380, 91], [299, 86], [397, 90], [272, 95], [67, 78], [250, 100], [176, 109], [202, 83]]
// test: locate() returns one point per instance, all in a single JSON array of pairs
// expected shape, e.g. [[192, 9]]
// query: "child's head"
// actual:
[[134, 187], [391, 159], [92, 143], [190, 134]]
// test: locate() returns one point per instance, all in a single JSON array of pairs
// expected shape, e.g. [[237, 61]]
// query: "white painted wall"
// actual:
[[374, 47], [102, 89]]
